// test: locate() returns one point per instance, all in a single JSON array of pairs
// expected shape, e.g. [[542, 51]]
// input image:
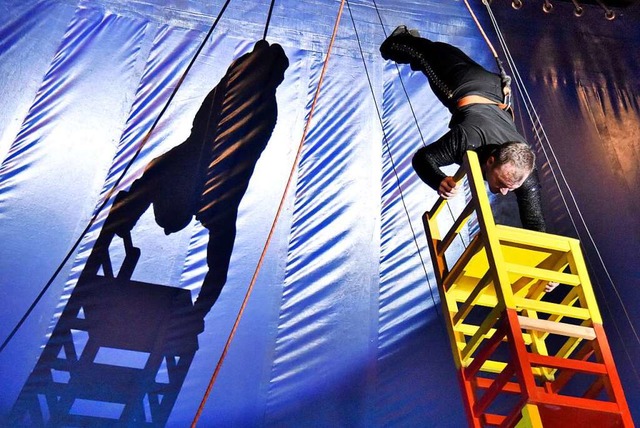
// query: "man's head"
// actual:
[[508, 167]]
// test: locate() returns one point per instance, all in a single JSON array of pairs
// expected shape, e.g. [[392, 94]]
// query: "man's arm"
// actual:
[[530, 205], [428, 160]]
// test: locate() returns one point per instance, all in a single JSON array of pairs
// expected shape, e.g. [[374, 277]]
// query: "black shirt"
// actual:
[[479, 127]]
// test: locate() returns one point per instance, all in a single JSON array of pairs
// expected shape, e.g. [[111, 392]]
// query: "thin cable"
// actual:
[[115, 185], [506, 80], [404, 88], [272, 229], [615, 325], [532, 114], [539, 130], [453, 217], [484, 35], [393, 165], [266, 26], [413, 112]]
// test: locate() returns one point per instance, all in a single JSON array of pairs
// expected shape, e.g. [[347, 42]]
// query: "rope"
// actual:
[[273, 226], [542, 137], [484, 35], [506, 80], [422, 139], [266, 26], [415, 119], [111, 191], [388, 150]]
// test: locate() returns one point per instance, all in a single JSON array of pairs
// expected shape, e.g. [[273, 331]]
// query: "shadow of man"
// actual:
[[207, 175]]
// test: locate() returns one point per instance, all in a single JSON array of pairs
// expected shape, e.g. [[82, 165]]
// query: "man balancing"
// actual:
[[481, 121]]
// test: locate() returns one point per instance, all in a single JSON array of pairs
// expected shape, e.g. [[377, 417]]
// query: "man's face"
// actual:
[[500, 177]]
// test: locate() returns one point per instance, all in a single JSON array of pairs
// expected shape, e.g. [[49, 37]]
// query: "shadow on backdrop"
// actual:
[[121, 349]]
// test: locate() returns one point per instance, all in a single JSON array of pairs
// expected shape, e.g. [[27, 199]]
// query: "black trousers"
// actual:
[[451, 73]]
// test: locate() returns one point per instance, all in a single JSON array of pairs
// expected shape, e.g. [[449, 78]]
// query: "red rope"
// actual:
[[484, 35], [273, 226]]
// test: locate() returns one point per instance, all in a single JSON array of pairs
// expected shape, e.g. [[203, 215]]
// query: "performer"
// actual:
[[481, 121]]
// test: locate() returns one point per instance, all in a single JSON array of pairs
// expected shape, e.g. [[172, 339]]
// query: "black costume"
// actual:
[[207, 175], [452, 75]]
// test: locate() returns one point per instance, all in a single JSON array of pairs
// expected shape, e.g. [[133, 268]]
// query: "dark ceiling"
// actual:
[[608, 3], [579, 6], [618, 4]]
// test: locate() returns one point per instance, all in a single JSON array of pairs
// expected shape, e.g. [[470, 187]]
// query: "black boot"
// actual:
[[395, 46], [406, 47]]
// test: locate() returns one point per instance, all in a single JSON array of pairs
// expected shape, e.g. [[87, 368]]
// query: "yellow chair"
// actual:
[[518, 350]]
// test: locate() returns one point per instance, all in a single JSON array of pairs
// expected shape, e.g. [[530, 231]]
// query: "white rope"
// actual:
[[539, 130]]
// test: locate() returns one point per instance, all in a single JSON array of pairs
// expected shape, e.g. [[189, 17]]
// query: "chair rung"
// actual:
[[517, 235], [567, 363], [578, 402], [493, 420], [543, 274], [455, 228], [484, 383], [553, 308], [552, 327]]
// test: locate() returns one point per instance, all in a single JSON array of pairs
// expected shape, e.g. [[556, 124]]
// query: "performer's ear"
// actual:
[[490, 161]]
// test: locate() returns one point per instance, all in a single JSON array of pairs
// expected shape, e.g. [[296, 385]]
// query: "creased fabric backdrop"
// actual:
[[343, 327]]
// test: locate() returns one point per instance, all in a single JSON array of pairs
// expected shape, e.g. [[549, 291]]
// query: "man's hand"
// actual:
[[448, 188], [551, 286]]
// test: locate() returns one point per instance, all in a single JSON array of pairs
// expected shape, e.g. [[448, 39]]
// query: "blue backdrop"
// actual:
[[343, 326]]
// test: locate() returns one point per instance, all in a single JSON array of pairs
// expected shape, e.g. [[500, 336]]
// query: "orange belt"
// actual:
[[477, 99]]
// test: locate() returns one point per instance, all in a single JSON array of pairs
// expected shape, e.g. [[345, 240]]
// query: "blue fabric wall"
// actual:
[[582, 76], [343, 327]]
